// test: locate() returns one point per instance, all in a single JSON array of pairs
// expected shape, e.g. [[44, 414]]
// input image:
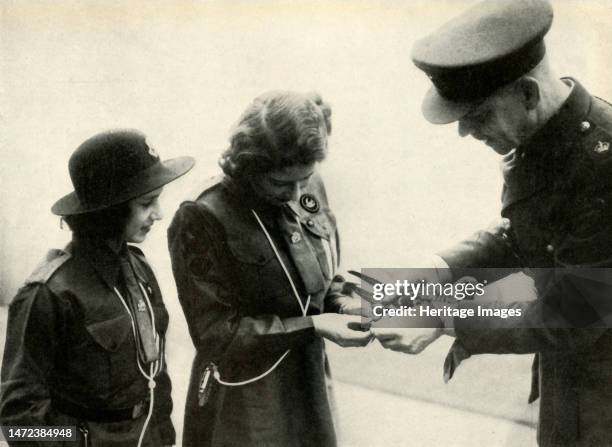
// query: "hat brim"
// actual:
[[149, 180], [439, 110]]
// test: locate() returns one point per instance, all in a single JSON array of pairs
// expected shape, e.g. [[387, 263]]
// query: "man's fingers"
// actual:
[[383, 335], [351, 340]]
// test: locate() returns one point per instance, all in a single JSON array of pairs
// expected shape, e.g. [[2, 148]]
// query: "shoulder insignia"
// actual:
[[601, 115], [601, 147], [48, 266]]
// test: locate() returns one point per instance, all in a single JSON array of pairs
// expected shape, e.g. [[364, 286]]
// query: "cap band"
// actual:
[[476, 82]]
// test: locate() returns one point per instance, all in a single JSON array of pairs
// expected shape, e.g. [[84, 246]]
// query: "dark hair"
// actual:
[[279, 129], [108, 223]]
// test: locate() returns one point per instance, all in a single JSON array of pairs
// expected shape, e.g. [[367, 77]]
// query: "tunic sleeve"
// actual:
[[35, 326]]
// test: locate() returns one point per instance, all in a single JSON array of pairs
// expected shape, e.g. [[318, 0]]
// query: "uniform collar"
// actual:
[[246, 197], [104, 259], [557, 134]]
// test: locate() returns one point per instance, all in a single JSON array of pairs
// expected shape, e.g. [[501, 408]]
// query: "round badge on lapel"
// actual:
[[309, 203]]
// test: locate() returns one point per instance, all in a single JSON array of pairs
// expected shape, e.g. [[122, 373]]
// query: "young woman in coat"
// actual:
[[255, 258]]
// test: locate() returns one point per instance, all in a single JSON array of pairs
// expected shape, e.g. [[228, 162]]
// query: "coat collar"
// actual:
[[540, 161], [561, 129]]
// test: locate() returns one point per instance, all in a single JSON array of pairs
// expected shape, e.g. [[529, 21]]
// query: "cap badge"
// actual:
[[601, 147], [153, 152], [309, 203]]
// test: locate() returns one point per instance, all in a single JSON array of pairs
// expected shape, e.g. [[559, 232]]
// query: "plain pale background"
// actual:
[[183, 71]]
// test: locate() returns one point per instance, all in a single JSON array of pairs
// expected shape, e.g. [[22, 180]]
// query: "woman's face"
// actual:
[[283, 185], [144, 211]]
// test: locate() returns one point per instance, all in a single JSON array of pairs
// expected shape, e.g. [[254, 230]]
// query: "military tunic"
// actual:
[[70, 354], [243, 315], [558, 196]]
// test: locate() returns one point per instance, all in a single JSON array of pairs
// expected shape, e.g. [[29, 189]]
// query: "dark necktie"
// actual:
[[145, 337]]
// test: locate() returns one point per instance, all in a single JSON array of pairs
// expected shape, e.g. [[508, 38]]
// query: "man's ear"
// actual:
[[529, 90]]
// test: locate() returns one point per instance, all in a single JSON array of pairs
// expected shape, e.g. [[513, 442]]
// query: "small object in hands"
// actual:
[[368, 295], [206, 384], [356, 326]]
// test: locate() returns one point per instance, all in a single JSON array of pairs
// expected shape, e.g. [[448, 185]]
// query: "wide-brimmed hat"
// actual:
[[113, 167]]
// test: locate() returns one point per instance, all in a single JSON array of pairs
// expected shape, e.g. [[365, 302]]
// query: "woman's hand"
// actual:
[[354, 305], [344, 330]]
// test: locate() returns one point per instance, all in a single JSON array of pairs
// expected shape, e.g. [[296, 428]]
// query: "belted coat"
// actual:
[[243, 314]]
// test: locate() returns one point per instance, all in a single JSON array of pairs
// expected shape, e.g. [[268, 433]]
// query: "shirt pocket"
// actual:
[[258, 274], [588, 235], [107, 361]]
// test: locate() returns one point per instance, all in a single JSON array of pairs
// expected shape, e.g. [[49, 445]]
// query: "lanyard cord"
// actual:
[[303, 307], [156, 366]]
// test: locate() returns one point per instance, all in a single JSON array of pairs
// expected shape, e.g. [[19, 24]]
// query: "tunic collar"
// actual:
[[544, 159], [561, 129], [247, 198]]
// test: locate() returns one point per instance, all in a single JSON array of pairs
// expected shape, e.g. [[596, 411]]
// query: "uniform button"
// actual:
[[584, 126], [295, 237], [523, 155], [550, 248], [309, 222]]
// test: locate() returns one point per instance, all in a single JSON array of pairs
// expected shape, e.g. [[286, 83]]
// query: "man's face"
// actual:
[[499, 122], [283, 185]]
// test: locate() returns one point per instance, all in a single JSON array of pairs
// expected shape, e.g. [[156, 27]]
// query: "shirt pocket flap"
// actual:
[[319, 225], [112, 333]]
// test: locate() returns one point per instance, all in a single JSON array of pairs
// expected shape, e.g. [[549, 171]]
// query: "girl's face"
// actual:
[[283, 185], [144, 211]]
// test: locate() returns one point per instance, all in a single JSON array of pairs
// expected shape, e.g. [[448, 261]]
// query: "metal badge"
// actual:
[[584, 126], [601, 147], [142, 307], [309, 203], [153, 152], [295, 237]]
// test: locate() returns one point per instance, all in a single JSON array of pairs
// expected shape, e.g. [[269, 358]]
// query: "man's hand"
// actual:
[[344, 330], [407, 340]]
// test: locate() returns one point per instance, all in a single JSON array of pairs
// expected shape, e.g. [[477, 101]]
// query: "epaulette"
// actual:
[[597, 131], [48, 266], [601, 114]]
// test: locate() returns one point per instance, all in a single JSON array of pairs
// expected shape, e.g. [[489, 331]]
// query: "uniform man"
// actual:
[[491, 74]]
